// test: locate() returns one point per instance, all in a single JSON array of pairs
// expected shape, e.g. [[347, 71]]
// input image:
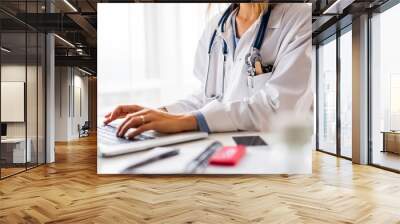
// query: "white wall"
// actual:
[[12, 73], [13, 100], [62, 81], [80, 111], [71, 94]]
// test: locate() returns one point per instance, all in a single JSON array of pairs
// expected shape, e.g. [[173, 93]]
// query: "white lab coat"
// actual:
[[287, 46]]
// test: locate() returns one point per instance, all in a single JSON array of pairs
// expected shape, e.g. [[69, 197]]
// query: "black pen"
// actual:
[[153, 159], [202, 159]]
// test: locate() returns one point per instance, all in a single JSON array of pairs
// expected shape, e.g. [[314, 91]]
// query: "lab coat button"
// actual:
[[249, 81]]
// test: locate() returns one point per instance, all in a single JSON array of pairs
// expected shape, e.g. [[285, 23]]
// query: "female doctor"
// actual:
[[253, 61]]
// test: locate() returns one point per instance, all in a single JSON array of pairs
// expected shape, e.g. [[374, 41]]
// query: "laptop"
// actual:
[[110, 145]]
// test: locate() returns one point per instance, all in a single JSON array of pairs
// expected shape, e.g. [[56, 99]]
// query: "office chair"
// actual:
[[84, 130]]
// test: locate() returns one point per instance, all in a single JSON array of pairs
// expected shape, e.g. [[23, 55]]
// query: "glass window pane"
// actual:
[[327, 97], [32, 89], [14, 153], [23, 91], [41, 99], [346, 94], [385, 85], [31, 97]]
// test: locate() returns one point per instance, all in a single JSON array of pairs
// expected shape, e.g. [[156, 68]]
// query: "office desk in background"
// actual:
[[391, 141], [276, 158], [13, 150]]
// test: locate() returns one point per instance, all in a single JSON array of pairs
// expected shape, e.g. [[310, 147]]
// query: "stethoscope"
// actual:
[[251, 58]]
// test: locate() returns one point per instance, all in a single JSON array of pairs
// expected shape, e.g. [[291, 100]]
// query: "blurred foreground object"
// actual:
[[293, 128]]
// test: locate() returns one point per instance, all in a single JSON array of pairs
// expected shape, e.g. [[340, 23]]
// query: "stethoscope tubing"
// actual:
[[255, 47], [216, 95]]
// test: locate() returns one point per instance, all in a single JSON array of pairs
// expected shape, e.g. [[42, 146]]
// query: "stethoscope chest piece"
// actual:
[[255, 66], [251, 59]]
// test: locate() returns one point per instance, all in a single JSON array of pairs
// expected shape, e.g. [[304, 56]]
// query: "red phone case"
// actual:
[[228, 155]]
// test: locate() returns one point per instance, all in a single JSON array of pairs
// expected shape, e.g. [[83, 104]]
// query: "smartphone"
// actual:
[[249, 140]]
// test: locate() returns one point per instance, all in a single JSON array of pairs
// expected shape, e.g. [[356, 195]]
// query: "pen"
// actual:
[[153, 159], [202, 159]]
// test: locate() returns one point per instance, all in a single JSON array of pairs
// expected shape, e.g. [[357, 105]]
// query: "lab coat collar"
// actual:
[[275, 19], [273, 23]]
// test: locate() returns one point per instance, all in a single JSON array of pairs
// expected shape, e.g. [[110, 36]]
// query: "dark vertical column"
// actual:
[[317, 96], [26, 86], [45, 89], [369, 96], [37, 89], [1, 163], [338, 82], [73, 92], [92, 101]]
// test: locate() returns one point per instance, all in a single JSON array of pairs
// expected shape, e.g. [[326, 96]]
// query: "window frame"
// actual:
[[378, 10], [27, 29], [334, 37]]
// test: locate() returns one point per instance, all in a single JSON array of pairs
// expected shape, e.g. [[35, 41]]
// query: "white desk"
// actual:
[[276, 158], [18, 150]]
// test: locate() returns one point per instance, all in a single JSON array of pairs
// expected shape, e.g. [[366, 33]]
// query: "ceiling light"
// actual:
[[5, 50], [337, 7], [84, 71], [65, 41], [70, 5], [79, 51]]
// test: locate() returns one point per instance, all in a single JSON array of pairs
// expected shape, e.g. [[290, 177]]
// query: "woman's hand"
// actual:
[[157, 120], [120, 112]]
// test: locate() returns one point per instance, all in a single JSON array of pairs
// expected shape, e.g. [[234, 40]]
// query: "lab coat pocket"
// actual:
[[258, 82]]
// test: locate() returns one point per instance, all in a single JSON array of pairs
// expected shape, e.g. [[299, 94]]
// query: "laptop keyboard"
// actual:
[[107, 135]]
